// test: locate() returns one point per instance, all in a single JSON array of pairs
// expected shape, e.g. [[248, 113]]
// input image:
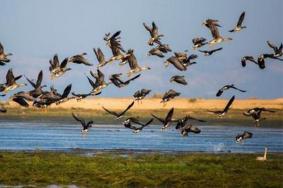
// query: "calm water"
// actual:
[[54, 136]]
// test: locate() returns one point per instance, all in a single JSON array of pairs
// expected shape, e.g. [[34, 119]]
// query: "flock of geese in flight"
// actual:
[[41, 98]]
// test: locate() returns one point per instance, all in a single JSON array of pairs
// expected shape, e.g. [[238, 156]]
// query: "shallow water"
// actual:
[[54, 136]]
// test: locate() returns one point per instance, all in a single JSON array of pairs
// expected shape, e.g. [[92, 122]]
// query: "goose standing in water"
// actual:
[[226, 87], [179, 79], [166, 122], [141, 94], [154, 34], [225, 110], [85, 125], [239, 25], [133, 63], [264, 158], [245, 135], [255, 113], [189, 128], [171, 94], [213, 25], [80, 59], [114, 44], [115, 79], [3, 56], [100, 57], [128, 124], [11, 83], [198, 42], [209, 52], [120, 114], [56, 69]]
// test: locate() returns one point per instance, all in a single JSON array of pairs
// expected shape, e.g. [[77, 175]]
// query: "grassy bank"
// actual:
[[234, 117], [140, 170]]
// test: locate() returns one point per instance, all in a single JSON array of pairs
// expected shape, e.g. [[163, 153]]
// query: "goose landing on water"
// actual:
[[223, 112], [241, 137], [264, 158], [85, 125], [128, 124]]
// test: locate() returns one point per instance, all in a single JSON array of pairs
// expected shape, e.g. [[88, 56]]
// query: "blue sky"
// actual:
[[35, 30]]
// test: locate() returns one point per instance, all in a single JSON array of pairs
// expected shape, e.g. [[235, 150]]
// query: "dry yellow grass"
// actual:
[[179, 103]]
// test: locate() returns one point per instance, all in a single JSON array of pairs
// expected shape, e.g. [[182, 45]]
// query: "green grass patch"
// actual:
[[140, 170]]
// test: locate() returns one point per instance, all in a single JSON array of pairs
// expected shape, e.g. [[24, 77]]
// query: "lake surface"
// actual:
[[57, 136]]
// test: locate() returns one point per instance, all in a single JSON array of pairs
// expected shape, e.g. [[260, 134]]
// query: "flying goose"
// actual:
[[115, 79], [11, 83], [255, 113], [99, 83], [85, 125], [171, 94], [114, 44], [239, 25], [79, 97], [37, 91], [225, 110], [176, 63], [141, 94], [179, 79], [278, 51], [212, 25], [133, 63], [100, 57], [120, 114], [56, 69], [248, 58], [198, 42], [264, 158], [226, 87], [210, 52], [189, 128], [154, 34], [245, 135], [155, 52], [50, 97], [183, 121], [80, 59], [128, 124], [3, 56], [166, 122]]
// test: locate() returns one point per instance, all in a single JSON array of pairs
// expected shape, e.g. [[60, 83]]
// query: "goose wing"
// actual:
[[99, 55], [272, 46], [169, 115], [77, 118], [110, 112], [241, 19], [129, 106], [66, 91], [39, 79], [64, 63], [229, 104], [10, 79], [135, 77], [1, 48], [21, 101], [158, 118]]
